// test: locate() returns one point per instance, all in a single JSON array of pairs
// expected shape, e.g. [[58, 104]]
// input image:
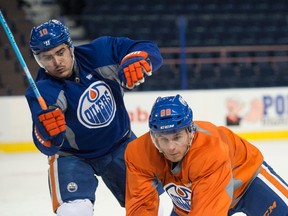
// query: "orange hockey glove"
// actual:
[[51, 125], [133, 69]]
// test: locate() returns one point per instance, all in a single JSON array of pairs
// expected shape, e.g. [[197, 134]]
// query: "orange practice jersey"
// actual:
[[208, 181]]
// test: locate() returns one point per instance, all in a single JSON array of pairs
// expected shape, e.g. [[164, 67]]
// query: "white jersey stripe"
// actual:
[[58, 194]]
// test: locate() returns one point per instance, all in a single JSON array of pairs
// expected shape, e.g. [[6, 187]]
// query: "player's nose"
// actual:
[[56, 60], [171, 146]]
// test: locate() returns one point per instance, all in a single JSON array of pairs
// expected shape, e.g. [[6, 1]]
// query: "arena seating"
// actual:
[[229, 43], [219, 23], [12, 78]]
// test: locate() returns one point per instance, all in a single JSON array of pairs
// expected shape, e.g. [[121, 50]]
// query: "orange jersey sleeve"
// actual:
[[215, 171], [143, 163], [246, 160]]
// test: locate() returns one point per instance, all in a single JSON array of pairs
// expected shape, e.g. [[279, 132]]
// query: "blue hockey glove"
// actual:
[[133, 69], [50, 127]]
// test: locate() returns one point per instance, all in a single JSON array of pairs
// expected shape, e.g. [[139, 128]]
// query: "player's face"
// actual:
[[174, 146], [58, 61]]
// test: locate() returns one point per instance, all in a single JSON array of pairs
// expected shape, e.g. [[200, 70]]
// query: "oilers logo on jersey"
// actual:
[[180, 195], [96, 107]]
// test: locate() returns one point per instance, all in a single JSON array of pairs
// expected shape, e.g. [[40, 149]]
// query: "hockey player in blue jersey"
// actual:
[[86, 128]]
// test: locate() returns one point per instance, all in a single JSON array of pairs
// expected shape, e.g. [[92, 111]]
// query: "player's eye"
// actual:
[[176, 138], [61, 52], [47, 58], [163, 139]]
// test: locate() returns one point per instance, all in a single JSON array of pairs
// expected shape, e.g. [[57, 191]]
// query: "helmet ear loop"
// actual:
[[38, 61], [155, 142], [192, 127]]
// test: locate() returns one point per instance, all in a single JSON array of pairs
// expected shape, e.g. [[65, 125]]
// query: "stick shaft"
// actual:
[[22, 62]]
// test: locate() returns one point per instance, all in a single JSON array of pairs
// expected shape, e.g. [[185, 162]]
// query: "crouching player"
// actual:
[[205, 169]]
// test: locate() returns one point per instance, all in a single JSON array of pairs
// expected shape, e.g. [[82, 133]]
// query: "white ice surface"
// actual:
[[24, 190]]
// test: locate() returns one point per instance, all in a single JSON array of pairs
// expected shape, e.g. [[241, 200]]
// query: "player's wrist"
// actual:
[[140, 54]]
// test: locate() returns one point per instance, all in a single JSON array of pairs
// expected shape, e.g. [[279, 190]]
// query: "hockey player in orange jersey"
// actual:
[[206, 170]]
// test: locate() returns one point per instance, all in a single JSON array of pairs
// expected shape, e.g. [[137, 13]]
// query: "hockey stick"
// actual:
[[22, 62]]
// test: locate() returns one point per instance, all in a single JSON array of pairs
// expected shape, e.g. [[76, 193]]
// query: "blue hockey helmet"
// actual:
[[170, 115], [49, 35]]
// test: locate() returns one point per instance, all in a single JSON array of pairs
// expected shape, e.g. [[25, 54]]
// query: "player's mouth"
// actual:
[[60, 70], [174, 155]]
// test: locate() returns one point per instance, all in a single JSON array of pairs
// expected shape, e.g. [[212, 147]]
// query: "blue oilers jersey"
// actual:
[[97, 121]]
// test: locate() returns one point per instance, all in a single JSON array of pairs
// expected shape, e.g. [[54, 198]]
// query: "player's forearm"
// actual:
[[144, 209], [141, 197]]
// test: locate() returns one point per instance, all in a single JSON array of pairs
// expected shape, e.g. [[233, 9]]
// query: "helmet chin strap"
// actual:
[[188, 146], [75, 67]]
